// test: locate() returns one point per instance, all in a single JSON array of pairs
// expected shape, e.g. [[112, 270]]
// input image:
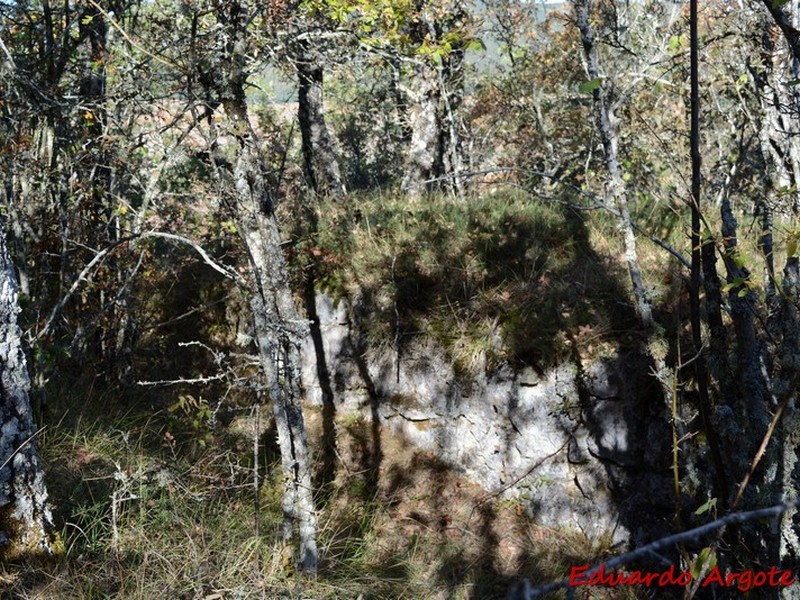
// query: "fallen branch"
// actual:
[[516, 480]]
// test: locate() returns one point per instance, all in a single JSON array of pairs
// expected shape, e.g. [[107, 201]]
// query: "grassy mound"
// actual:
[[504, 276]]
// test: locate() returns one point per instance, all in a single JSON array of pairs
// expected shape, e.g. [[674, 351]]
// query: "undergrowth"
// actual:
[[147, 514]]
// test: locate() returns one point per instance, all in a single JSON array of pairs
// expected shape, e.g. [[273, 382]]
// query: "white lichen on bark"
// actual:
[[25, 519]]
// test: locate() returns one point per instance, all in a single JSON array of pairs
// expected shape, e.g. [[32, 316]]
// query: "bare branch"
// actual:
[[82, 276], [181, 380], [225, 271], [100, 256]]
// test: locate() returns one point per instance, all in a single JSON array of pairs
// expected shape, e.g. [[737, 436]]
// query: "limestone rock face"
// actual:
[[585, 446]]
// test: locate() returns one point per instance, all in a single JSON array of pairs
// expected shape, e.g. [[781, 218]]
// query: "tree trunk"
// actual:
[[25, 520], [319, 154], [607, 127], [279, 330], [451, 151], [781, 153], [434, 101], [790, 424], [424, 124]]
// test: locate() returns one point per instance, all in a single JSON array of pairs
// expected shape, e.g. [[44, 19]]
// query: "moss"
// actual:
[[18, 543]]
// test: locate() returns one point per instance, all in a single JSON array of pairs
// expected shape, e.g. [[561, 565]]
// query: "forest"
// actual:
[[399, 299]]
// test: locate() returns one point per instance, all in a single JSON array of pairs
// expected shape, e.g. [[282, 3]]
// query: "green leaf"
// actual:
[[735, 283], [791, 244], [706, 507], [476, 45], [587, 87], [793, 82], [705, 561], [87, 19], [675, 43]]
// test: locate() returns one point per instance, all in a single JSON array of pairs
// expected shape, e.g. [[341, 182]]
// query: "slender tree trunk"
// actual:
[[25, 520], [451, 152], [703, 257], [607, 127], [319, 153], [421, 157], [279, 330], [773, 139], [114, 325], [779, 140], [790, 424]]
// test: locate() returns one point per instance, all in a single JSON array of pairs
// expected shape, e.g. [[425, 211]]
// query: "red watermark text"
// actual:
[[743, 581]]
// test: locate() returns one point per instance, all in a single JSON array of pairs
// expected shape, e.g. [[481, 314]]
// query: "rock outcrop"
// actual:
[[586, 446]]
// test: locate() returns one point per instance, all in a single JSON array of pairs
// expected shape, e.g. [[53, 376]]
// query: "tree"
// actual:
[[70, 171], [319, 154], [26, 524], [279, 330], [299, 35], [607, 122], [439, 35]]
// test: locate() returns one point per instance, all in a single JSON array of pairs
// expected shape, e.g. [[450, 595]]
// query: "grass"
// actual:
[[496, 278], [143, 516]]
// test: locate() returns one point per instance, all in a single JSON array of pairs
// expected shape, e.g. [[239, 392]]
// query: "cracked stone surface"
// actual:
[[581, 447]]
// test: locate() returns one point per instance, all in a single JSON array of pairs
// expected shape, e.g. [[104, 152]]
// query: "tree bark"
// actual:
[[435, 153], [319, 153], [25, 520], [423, 100], [279, 330]]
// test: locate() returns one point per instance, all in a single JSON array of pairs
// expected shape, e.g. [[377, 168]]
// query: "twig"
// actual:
[[181, 380], [124, 34], [99, 257], [256, 499], [516, 480], [9, 57], [763, 448], [21, 446]]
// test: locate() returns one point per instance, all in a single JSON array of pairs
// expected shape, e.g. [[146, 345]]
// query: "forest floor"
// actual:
[[144, 513]]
